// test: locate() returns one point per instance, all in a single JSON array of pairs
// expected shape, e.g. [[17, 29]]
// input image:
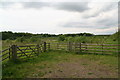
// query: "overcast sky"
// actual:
[[59, 17]]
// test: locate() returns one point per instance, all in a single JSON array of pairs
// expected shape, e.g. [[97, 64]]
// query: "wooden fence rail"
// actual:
[[14, 52], [5, 54], [86, 48]]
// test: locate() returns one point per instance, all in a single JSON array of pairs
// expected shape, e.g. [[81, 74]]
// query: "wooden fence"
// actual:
[[14, 51], [86, 48]]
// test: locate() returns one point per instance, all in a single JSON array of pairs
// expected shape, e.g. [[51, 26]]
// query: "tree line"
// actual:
[[14, 35]]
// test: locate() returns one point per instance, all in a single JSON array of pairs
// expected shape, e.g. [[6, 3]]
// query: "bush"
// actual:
[[61, 38], [81, 39], [70, 39], [20, 39], [7, 41], [35, 39]]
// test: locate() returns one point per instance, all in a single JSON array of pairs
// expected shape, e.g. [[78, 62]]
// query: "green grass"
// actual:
[[90, 73], [22, 67], [35, 66]]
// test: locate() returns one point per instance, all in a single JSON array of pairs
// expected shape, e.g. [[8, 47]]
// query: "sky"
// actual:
[[59, 17]]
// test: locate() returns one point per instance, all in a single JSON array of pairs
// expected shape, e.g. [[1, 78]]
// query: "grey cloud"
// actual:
[[68, 6], [91, 15], [108, 21], [73, 6], [72, 24], [107, 7], [36, 4], [110, 6], [6, 4], [78, 25], [100, 24], [26, 4]]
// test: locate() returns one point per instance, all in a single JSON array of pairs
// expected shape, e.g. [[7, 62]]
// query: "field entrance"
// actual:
[[63, 64]]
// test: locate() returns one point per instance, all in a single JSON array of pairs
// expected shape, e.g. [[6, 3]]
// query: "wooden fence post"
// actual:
[[80, 48], [86, 47], [102, 48], [69, 46], [9, 52], [44, 47], [48, 46], [57, 46], [75, 46], [38, 49], [14, 52]]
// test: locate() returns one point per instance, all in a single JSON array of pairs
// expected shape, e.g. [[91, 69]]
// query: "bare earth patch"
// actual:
[[81, 69]]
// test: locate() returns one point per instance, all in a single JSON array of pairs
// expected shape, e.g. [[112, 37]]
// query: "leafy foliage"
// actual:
[[12, 36], [79, 37], [61, 38]]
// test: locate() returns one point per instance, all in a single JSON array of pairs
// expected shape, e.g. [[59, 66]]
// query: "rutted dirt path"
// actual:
[[80, 69], [75, 66]]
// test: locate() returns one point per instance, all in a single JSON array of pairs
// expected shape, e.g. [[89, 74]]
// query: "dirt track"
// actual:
[[80, 69]]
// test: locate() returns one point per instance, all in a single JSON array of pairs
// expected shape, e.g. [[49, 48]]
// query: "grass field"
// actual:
[[62, 64]]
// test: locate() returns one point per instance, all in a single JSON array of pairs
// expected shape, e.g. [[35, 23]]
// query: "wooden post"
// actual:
[[9, 52], [38, 49], [14, 52], [41, 48], [44, 47], [48, 46], [102, 48], [57, 46], [69, 46], [80, 48], [86, 47], [75, 46]]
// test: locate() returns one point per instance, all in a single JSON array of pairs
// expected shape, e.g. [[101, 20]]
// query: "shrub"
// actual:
[[35, 39], [70, 39], [20, 39], [61, 38]]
